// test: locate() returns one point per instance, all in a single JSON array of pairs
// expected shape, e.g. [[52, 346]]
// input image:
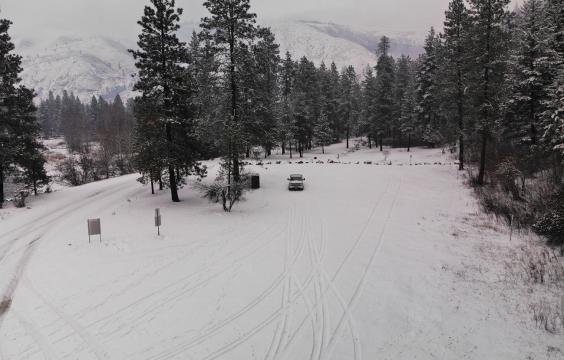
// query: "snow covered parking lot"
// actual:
[[371, 262]]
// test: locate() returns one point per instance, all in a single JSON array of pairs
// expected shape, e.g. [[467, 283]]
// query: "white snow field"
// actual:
[[369, 262]]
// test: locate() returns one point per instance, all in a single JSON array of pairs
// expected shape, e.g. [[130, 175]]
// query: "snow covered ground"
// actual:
[[371, 261]]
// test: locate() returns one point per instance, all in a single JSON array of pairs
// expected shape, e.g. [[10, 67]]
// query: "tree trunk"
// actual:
[[234, 145], [1, 186], [290, 147], [369, 142], [381, 142], [482, 174], [283, 148], [409, 142], [348, 134], [152, 186], [171, 170], [460, 122]]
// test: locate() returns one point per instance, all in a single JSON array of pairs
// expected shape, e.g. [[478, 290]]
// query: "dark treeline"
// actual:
[[99, 135]]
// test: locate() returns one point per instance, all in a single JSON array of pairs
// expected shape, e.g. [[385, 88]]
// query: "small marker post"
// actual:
[[158, 221]]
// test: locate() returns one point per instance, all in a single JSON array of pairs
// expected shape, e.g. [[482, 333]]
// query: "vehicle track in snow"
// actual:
[[40, 340], [283, 278], [88, 339], [31, 228], [358, 289]]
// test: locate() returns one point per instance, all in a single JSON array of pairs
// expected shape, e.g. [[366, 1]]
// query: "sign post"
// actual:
[[158, 221], [94, 228]]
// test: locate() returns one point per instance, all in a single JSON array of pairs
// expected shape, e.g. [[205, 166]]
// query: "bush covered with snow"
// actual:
[[551, 224]]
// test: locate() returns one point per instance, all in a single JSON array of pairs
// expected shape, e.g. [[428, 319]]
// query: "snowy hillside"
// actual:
[[344, 45], [101, 66], [85, 66]]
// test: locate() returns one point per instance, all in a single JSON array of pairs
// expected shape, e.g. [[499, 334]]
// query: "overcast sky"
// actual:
[[118, 17]]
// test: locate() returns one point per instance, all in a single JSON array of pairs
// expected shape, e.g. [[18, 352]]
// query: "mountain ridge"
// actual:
[[101, 66]]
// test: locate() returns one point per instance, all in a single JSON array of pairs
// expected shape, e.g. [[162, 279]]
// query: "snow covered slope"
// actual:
[[344, 45], [85, 66], [371, 261], [101, 66]]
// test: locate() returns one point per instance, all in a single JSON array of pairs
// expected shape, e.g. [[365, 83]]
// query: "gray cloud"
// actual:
[[118, 18]]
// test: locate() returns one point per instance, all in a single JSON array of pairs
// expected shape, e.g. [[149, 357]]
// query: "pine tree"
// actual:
[[553, 118], [350, 102], [430, 117], [455, 68], [532, 73], [286, 121], [19, 128], [231, 27], [29, 157], [267, 54], [332, 101], [304, 100], [368, 111], [165, 85], [323, 132], [401, 88], [207, 93], [408, 112], [489, 39], [385, 81]]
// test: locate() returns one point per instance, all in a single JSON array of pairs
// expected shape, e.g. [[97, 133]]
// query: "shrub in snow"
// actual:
[[547, 316], [507, 175], [19, 199], [551, 224], [221, 192], [69, 172]]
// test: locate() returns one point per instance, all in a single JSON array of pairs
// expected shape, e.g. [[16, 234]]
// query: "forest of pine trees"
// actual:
[[489, 87], [99, 135]]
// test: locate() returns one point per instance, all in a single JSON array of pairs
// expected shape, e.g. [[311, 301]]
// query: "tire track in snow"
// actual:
[[320, 303], [331, 285], [331, 281], [49, 220], [218, 327], [359, 287], [262, 325], [31, 329], [154, 273], [96, 348], [175, 295]]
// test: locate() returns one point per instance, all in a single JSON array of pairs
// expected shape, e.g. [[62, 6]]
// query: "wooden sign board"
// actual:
[[94, 228]]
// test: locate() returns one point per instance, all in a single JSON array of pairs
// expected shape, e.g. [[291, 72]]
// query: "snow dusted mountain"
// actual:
[[100, 66], [328, 42], [89, 66]]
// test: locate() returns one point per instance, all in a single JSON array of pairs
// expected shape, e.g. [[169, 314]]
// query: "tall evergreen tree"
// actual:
[[455, 68], [489, 39], [350, 102], [431, 122], [166, 93], [531, 73], [385, 82], [231, 27], [368, 111], [19, 128], [286, 121], [304, 100]]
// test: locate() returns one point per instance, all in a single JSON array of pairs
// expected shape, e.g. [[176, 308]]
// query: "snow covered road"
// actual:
[[370, 262]]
